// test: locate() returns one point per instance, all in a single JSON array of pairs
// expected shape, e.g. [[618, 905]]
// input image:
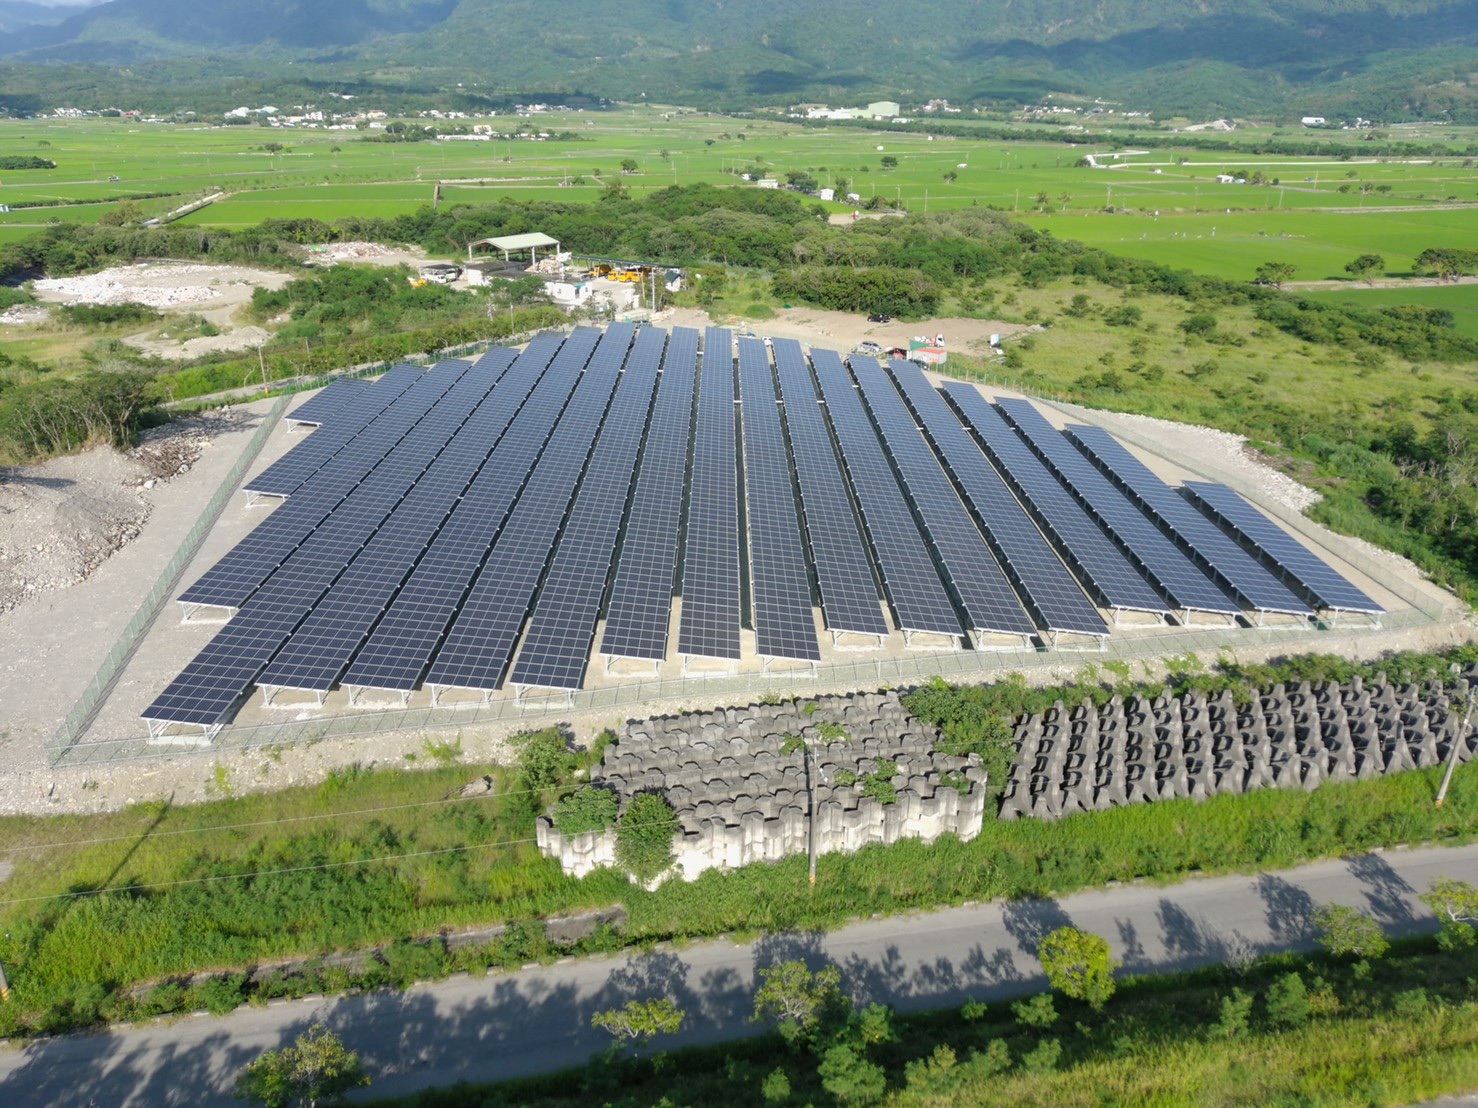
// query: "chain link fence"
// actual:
[[71, 729]]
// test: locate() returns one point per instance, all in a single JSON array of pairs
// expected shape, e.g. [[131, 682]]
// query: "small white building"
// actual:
[[1313, 121]]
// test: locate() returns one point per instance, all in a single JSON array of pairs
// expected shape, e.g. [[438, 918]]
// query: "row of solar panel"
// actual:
[[437, 520]]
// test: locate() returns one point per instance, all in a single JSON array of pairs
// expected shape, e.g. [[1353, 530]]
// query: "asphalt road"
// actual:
[[538, 1019]]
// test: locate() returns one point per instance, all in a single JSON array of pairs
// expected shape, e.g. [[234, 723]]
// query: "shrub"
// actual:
[[644, 836], [1079, 964], [592, 808], [1343, 931], [1035, 1011], [1288, 1001], [1044, 1058], [1234, 1014]]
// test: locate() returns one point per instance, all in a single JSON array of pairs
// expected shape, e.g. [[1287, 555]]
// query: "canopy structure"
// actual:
[[509, 243]]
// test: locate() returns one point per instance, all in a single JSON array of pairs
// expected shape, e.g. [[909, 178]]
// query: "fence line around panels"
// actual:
[[75, 725], [705, 691]]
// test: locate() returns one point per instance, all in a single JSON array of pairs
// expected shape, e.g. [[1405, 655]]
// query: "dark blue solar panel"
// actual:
[[284, 476], [403, 643], [1079, 538], [255, 558], [1233, 566], [784, 625], [919, 599], [849, 593], [1280, 550], [481, 641], [640, 609], [969, 565], [556, 646], [330, 401], [1045, 582], [1165, 563], [709, 625], [320, 649], [205, 691]]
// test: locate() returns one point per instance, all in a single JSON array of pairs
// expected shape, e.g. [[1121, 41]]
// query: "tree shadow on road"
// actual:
[[1290, 910], [1387, 893]]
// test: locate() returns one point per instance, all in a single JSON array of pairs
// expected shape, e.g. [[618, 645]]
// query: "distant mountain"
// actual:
[[16, 15], [1389, 57]]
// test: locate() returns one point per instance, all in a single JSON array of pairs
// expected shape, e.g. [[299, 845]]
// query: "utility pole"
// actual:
[[262, 364], [1458, 742]]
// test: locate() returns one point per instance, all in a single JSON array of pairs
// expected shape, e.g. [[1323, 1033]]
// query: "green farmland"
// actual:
[[1320, 213], [1460, 300]]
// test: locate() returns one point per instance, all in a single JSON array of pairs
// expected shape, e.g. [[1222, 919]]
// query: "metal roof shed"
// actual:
[[508, 243]]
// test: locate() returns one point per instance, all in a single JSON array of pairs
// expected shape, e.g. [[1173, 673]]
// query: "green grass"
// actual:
[[1460, 300], [1405, 1032]]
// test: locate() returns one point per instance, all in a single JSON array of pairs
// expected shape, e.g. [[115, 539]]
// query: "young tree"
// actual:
[[1343, 931], [640, 1021], [316, 1067], [1275, 273], [1079, 964], [1367, 267], [798, 1001], [1455, 904]]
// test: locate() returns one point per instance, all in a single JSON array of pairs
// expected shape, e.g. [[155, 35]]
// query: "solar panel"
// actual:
[[1164, 562], [255, 558], [1079, 538], [640, 609], [1046, 584], [709, 625], [320, 649], [556, 646], [1279, 550], [1233, 566], [401, 646], [919, 599], [205, 691], [480, 644], [970, 567], [284, 476], [849, 593], [784, 625], [329, 402]]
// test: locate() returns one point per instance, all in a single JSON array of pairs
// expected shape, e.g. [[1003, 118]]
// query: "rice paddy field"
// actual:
[[1162, 204]]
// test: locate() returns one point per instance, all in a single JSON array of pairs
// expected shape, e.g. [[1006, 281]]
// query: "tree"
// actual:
[[849, 1076], [317, 1066], [640, 1021], [1079, 964], [1343, 931], [644, 836], [1042, 200], [800, 1003], [1455, 904], [1275, 273], [629, 165], [888, 161], [1366, 267], [1065, 199]]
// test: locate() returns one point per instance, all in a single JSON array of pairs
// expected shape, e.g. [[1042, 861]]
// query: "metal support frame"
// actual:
[[1088, 643], [356, 694], [437, 691], [909, 644], [766, 660], [977, 634], [270, 693], [612, 659], [1185, 615], [190, 611], [1161, 617], [253, 496], [732, 668], [521, 691], [159, 733], [837, 645]]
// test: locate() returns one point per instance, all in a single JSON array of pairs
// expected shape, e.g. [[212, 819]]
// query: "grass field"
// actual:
[[1305, 219], [1460, 300]]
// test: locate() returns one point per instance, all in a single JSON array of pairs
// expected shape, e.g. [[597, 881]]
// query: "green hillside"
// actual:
[[1393, 59]]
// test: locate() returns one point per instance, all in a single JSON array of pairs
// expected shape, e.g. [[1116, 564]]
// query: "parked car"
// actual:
[[871, 349], [879, 317]]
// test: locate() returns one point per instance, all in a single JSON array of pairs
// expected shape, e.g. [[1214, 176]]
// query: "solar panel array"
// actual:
[[709, 625], [329, 402], [465, 531], [286, 475], [640, 609], [404, 642], [1165, 563], [480, 644], [1279, 550], [556, 646], [784, 626], [920, 601], [1237, 569], [1046, 584], [1082, 542], [252, 561], [230, 663], [849, 594], [969, 566]]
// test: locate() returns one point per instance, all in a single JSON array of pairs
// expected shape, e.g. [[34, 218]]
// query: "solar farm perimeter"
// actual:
[[612, 507]]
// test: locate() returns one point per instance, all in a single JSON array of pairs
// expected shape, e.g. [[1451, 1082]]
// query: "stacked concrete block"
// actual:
[[744, 790]]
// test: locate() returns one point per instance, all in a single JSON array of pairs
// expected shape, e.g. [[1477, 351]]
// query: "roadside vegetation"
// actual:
[[161, 909]]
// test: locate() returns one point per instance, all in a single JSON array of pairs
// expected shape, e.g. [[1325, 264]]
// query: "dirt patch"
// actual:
[[365, 253], [60, 520], [841, 331], [24, 315]]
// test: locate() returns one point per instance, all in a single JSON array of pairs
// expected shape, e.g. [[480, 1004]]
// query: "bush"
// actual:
[[592, 808], [1079, 965], [644, 836], [1343, 932], [1235, 1012], [1288, 1001]]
